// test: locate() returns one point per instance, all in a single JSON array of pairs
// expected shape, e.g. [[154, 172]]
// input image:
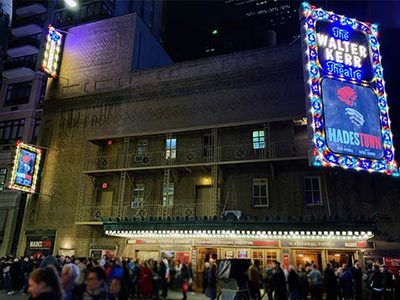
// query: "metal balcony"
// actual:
[[32, 40], [19, 67], [198, 156], [28, 26], [24, 46], [94, 214], [30, 8]]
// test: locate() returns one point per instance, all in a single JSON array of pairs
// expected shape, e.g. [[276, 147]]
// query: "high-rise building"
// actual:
[[23, 84]]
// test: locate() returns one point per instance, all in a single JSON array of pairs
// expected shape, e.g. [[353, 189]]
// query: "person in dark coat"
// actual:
[[330, 282], [254, 277], [205, 275], [163, 275], [387, 283], [293, 283], [376, 283], [346, 283], [303, 283], [184, 279], [278, 281], [211, 291], [357, 274]]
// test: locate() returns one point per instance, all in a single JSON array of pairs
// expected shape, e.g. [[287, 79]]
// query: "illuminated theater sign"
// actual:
[[346, 93], [52, 53], [26, 165]]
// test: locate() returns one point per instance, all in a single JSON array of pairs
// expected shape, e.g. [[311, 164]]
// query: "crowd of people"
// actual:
[[334, 283], [69, 278]]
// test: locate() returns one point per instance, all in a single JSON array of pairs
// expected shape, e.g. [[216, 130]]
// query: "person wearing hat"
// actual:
[[278, 281]]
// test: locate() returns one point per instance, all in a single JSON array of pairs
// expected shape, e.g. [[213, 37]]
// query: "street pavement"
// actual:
[[172, 295]]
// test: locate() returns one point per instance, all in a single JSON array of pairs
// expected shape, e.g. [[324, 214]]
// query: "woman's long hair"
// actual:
[[49, 276]]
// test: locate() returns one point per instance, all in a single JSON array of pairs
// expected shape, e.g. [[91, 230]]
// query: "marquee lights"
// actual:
[[26, 166], [240, 234], [344, 53], [52, 53]]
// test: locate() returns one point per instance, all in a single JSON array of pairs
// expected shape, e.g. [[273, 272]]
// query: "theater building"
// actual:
[[197, 160]]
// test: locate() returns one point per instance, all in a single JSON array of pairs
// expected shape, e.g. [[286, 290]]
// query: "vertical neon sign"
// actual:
[[52, 52], [346, 95], [26, 167]]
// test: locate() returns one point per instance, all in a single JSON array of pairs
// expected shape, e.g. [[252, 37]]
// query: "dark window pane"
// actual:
[[309, 198]]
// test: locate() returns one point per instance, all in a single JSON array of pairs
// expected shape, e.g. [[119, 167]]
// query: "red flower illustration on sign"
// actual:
[[26, 158], [347, 95]]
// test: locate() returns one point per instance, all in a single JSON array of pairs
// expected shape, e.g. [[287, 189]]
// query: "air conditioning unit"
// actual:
[[142, 159], [236, 214], [136, 204]]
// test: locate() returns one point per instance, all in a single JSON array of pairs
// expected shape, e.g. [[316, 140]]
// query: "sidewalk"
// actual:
[[172, 295], [175, 295]]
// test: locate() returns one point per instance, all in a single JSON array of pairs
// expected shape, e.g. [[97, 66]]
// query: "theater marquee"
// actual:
[[346, 95]]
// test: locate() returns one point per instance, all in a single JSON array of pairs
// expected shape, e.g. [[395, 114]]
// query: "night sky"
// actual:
[[189, 25]]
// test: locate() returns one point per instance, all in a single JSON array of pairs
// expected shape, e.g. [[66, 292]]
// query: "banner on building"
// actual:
[[39, 246]]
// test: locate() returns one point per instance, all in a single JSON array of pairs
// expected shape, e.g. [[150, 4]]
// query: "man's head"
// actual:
[[275, 264], [69, 275], [95, 278]]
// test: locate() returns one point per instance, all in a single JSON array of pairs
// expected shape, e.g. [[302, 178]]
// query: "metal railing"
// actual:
[[94, 214], [188, 156], [32, 40], [25, 61]]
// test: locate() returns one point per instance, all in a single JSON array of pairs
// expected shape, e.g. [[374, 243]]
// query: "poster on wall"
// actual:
[[39, 246], [183, 256], [169, 255], [346, 97]]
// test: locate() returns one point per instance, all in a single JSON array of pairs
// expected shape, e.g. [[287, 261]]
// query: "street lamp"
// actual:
[[71, 3]]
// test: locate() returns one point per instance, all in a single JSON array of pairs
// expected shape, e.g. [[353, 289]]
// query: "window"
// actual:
[[260, 192], [18, 93], [312, 190], [3, 178], [35, 132], [138, 196], [170, 148], [11, 130], [141, 151], [168, 195], [258, 139]]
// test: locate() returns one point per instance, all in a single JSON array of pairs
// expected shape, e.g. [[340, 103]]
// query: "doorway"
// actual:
[[203, 198], [305, 258], [338, 258]]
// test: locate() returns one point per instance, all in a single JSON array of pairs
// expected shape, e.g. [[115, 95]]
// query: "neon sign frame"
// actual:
[[52, 52], [17, 175], [321, 155]]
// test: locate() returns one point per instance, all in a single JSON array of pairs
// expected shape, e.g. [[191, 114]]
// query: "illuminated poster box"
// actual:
[[52, 52], [346, 97], [26, 166]]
